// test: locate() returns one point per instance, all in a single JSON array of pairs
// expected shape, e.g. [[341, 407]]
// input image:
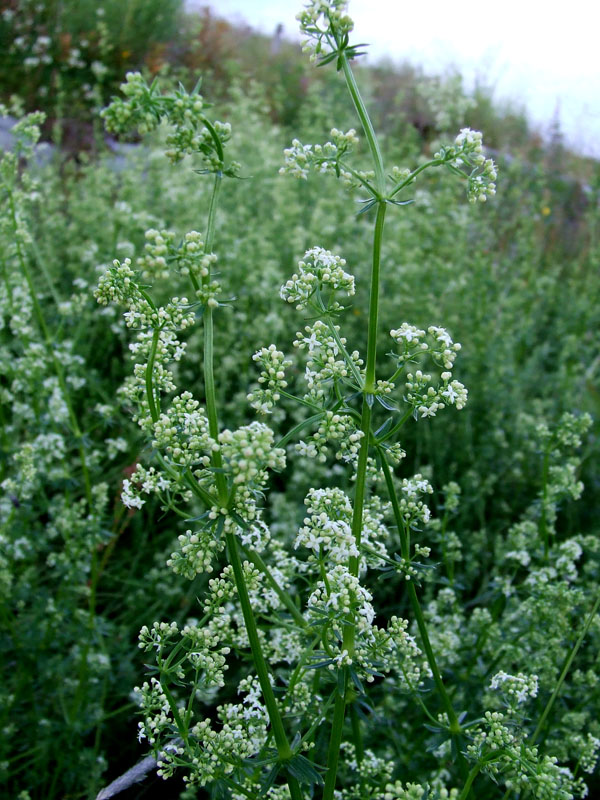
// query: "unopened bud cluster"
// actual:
[[326, 158]]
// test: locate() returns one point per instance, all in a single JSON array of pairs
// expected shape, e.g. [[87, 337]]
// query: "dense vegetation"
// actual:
[[485, 589]]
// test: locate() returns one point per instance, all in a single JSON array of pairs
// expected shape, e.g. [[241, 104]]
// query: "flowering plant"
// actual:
[[300, 612]]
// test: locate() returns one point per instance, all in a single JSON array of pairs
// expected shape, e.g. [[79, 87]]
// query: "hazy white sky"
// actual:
[[543, 55]]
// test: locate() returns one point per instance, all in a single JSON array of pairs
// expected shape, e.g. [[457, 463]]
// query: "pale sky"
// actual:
[[542, 55]]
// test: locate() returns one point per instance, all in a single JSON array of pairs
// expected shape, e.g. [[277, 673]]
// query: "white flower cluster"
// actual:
[[206, 653], [182, 432], [137, 110], [571, 429], [189, 257], [156, 710], [271, 380], [414, 791], [192, 136], [158, 636], [320, 271], [468, 151], [192, 259], [437, 342], [406, 659], [300, 158], [337, 597], [426, 398], [331, 15], [327, 528], [376, 649], [324, 365], [483, 185], [413, 510], [240, 732], [516, 688], [157, 250], [589, 753], [143, 480]]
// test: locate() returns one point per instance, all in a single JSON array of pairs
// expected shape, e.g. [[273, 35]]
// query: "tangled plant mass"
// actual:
[[339, 643], [321, 647]]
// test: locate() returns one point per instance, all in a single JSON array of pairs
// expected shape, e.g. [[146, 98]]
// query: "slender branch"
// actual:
[[152, 405], [337, 725], [283, 747], [374, 300], [451, 714], [565, 670], [436, 162], [366, 124], [469, 782], [281, 593]]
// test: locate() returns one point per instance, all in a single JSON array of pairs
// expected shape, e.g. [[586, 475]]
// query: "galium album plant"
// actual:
[[320, 670]]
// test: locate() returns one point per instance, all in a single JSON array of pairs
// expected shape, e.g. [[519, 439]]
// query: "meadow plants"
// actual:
[[292, 614], [345, 589]]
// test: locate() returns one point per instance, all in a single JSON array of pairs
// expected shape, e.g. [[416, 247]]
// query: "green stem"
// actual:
[[283, 747], [337, 725], [212, 214], [565, 670], [297, 428], [365, 426], [149, 375], [357, 735], [374, 300], [436, 162], [281, 593], [366, 124], [349, 361], [453, 723], [469, 782]]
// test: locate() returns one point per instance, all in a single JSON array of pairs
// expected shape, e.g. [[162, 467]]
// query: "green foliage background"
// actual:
[[515, 281]]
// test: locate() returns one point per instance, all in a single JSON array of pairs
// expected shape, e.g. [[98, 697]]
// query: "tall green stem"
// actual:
[[209, 376], [283, 747], [451, 714], [366, 124], [365, 426], [337, 725], [374, 300], [359, 497], [149, 375], [565, 670]]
